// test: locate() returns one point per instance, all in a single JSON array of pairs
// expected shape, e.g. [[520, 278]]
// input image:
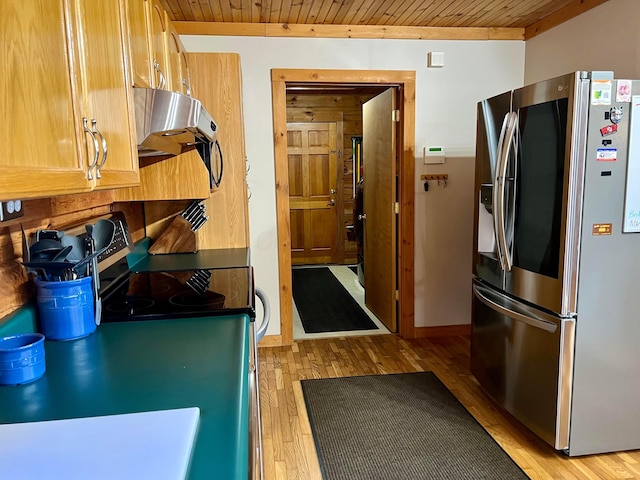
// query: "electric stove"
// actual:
[[135, 285], [180, 294]]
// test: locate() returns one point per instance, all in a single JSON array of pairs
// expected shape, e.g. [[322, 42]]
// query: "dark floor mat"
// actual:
[[324, 304], [404, 426]]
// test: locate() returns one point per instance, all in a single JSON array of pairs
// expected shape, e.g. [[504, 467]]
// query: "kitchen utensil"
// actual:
[[26, 256], [44, 245], [103, 233], [48, 270], [95, 277], [48, 264], [84, 264], [77, 251], [48, 235], [98, 239], [62, 254]]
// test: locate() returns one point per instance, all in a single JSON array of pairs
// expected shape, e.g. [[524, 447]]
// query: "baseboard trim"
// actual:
[[443, 331], [271, 341]]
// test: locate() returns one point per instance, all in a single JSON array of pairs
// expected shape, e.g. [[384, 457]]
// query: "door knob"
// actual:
[[333, 190], [362, 216], [331, 203]]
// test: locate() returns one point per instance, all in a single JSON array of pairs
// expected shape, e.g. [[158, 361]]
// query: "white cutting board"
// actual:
[[148, 445]]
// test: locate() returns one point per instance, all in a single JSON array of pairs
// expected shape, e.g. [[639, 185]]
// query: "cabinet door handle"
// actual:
[[157, 68], [96, 147], [103, 140], [186, 86]]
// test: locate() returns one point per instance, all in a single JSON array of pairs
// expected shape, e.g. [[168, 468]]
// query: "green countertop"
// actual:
[[151, 365]]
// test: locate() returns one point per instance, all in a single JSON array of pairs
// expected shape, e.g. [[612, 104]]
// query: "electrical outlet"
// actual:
[[11, 209]]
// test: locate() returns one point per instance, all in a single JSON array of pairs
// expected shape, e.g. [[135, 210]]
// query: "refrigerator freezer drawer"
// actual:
[[522, 358]]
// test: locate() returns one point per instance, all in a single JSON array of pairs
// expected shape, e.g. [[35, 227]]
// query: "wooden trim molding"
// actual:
[[575, 8], [443, 331], [272, 341], [348, 31], [406, 81]]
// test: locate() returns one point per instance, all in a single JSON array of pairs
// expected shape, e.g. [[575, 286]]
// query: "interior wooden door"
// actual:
[[379, 160], [313, 168]]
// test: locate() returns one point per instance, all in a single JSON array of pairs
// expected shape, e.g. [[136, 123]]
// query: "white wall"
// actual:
[[606, 37], [445, 115]]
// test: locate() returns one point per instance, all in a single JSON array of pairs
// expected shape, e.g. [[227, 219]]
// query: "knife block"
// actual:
[[177, 238]]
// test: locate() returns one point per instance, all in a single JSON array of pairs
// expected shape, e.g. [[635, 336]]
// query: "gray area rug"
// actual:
[[404, 426]]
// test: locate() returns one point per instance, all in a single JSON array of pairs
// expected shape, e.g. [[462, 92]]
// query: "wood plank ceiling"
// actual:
[[529, 16]]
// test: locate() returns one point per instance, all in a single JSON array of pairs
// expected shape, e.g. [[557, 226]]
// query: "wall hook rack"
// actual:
[[441, 178]]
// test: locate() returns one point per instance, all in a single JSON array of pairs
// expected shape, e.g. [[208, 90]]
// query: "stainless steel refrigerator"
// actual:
[[556, 274]]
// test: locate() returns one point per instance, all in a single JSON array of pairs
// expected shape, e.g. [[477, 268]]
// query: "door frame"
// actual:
[[405, 81]]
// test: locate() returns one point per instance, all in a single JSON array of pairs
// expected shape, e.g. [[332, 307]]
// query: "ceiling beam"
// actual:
[[347, 31], [573, 9]]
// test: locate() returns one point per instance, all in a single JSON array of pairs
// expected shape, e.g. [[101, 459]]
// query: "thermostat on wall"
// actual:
[[433, 155]]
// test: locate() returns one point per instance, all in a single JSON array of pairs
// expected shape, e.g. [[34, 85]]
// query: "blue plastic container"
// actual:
[[66, 308], [21, 358]]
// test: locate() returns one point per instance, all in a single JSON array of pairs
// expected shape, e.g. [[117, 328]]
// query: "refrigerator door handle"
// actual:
[[497, 211], [525, 315], [501, 181]]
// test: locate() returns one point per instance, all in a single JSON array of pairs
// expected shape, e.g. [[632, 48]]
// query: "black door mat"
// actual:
[[403, 426], [325, 305]]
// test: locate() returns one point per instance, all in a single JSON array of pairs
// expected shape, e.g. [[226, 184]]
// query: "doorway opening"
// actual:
[[289, 128]]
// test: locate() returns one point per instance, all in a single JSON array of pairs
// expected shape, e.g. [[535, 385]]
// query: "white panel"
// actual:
[[632, 194]]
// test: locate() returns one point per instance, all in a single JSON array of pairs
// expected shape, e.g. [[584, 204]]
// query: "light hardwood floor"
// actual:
[[288, 448]]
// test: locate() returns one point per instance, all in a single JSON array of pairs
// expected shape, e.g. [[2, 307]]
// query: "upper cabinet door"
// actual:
[[184, 74], [157, 29], [139, 37], [178, 73], [107, 97], [42, 149]]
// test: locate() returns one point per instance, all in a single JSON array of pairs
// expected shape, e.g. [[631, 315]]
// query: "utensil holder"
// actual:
[[66, 308]]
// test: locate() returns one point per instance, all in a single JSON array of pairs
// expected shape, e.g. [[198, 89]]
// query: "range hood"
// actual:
[[170, 123]]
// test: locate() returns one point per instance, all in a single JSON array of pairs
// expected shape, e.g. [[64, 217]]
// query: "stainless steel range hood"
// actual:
[[170, 123]]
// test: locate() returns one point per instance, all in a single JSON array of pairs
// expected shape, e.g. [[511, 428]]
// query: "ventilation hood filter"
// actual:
[[170, 123]]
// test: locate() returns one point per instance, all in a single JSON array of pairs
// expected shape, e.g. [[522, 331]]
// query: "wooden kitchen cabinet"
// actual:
[[177, 62], [157, 31], [107, 100], [43, 149], [217, 83], [65, 65], [142, 72], [157, 55]]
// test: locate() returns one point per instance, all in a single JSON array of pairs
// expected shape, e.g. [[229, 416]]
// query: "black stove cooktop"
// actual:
[[180, 294]]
